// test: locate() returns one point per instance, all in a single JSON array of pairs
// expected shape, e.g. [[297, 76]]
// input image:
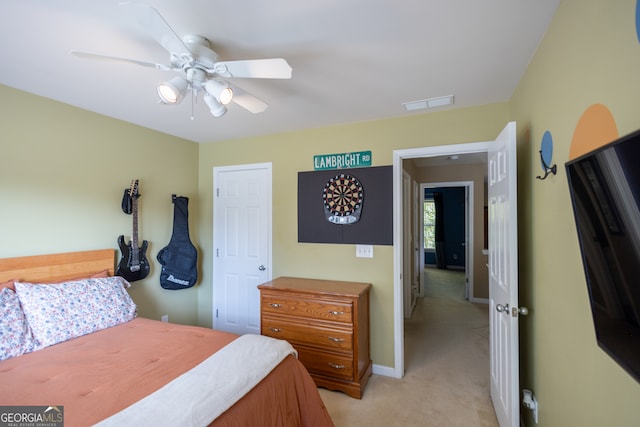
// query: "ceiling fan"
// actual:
[[197, 66]]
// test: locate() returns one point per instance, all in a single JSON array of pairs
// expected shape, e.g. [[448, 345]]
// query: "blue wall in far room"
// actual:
[[453, 200]]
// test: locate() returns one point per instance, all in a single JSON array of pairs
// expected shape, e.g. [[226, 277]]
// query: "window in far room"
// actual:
[[429, 213]]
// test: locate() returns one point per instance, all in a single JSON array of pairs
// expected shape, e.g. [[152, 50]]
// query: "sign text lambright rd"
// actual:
[[358, 159]]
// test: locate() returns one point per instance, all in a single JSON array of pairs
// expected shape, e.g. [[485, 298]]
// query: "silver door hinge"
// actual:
[[218, 192]]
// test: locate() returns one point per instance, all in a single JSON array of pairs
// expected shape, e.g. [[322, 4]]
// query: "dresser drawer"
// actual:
[[307, 308], [325, 363], [311, 335]]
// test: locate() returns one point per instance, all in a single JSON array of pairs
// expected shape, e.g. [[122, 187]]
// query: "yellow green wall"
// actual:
[[293, 152], [62, 175], [590, 55]]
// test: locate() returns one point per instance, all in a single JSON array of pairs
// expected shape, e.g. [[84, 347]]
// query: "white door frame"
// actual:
[[398, 309], [468, 237], [418, 237], [407, 240]]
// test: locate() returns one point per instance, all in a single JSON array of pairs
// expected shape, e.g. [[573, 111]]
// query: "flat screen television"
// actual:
[[605, 194]]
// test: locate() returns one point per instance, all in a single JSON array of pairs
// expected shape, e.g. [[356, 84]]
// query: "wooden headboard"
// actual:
[[57, 267]]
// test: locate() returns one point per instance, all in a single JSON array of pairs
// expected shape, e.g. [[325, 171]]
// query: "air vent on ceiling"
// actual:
[[423, 104]]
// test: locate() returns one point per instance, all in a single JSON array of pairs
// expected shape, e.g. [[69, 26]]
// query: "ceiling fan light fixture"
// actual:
[[173, 91], [216, 108], [219, 90]]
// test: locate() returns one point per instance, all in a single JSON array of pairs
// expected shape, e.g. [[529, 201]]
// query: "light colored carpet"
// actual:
[[446, 380]]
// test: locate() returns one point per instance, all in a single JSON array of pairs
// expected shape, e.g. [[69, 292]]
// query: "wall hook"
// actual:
[[547, 169]]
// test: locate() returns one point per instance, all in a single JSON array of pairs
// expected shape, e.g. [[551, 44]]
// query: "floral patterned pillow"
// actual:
[[15, 335], [58, 312]]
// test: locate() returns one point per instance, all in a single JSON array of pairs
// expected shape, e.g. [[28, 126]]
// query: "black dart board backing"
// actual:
[[342, 197], [346, 194]]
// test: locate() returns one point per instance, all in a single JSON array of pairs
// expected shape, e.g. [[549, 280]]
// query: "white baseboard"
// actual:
[[385, 371]]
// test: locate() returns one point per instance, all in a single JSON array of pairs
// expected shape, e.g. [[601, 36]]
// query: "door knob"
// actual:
[[515, 311], [262, 268]]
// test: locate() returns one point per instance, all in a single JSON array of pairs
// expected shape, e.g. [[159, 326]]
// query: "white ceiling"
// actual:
[[354, 60]]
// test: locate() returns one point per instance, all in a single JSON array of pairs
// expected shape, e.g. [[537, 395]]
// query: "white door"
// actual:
[[241, 245], [503, 277]]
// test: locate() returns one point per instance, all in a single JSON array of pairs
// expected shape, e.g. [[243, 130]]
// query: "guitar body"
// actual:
[[133, 265]]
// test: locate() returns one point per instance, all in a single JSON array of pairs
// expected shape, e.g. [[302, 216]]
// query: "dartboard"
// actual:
[[342, 197]]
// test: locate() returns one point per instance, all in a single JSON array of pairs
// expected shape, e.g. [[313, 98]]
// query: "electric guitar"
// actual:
[[134, 264]]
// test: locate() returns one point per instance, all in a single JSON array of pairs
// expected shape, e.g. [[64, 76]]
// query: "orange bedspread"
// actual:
[[288, 397], [97, 375]]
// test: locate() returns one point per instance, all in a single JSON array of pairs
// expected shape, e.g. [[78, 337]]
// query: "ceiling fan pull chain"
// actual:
[[193, 100]]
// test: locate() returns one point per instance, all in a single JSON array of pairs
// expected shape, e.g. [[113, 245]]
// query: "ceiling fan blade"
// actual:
[[115, 58], [156, 26], [247, 101], [274, 68]]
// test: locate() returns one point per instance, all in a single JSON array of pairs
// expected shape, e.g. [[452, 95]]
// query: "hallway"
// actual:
[[447, 346], [446, 382]]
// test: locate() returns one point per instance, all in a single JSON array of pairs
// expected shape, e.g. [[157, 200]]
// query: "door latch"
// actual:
[[522, 311]]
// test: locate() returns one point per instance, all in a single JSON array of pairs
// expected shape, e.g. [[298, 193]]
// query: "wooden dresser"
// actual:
[[327, 322]]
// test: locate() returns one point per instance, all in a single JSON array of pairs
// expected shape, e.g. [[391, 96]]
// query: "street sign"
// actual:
[[358, 159]]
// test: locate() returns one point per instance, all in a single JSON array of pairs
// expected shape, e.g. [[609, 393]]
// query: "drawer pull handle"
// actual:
[[275, 329], [275, 305], [336, 313], [334, 339], [334, 366]]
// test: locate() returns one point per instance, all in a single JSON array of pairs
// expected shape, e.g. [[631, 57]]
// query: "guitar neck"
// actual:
[[134, 237]]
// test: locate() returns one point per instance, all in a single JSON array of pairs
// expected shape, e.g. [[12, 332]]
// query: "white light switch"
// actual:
[[364, 251]]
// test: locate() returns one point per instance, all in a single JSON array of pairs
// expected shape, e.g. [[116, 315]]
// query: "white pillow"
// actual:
[[15, 335], [61, 311]]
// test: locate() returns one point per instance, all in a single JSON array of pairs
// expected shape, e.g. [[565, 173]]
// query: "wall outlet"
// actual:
[[165, 318], [364, 251]]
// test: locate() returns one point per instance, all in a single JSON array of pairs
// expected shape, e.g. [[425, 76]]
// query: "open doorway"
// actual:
[[501, 270], [446, 332], [439, 159]]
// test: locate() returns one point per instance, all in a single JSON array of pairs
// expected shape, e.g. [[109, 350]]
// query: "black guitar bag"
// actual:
[[179, 259]]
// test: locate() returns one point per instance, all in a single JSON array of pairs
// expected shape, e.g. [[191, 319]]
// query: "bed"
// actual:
[[135, 371]]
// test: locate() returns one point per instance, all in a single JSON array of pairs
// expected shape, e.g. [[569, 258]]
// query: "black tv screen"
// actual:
[[605, 193]]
